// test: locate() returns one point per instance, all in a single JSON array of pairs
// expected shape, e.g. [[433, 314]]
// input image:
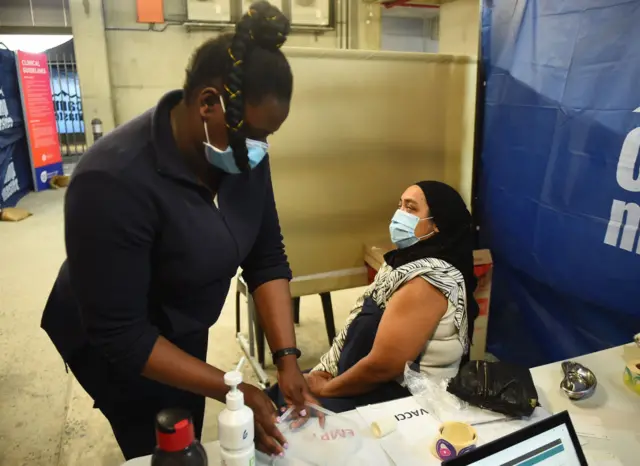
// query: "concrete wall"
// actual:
[[460, 27], [124, 66], [93, 64], [460, 35], [22, 16], [144, 64], [460, 119]]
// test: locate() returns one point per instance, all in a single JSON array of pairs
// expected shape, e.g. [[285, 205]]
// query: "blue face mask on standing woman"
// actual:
[[223, 159], [403, 229]]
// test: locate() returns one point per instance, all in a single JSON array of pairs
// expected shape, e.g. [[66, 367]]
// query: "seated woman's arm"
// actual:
[[410, 318], [329, 361]]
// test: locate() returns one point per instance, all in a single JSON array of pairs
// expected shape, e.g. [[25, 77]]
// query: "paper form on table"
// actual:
[[410, 444]]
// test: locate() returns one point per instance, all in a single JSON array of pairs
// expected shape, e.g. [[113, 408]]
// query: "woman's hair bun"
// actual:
[[265, 25]]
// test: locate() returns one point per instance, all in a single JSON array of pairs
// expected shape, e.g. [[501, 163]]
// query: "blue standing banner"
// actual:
[[15, 167], [560, 183]]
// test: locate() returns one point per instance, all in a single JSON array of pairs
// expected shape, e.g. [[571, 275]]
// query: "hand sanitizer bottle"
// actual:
[[177, 444], [235, 426]]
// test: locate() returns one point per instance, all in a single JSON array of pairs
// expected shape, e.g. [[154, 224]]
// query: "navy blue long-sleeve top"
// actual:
[[148, 251]]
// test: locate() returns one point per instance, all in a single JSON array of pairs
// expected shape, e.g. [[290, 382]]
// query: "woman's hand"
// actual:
[[316, 381], [294, 386], [268, 438]]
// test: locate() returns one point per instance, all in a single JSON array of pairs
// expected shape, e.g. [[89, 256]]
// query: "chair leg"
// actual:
[[260, 346], [327, 309], [296, 310], [237, 312], [251, 318], [260, 342]]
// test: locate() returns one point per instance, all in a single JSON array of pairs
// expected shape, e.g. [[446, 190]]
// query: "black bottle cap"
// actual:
[[167, 419], [174, 429]]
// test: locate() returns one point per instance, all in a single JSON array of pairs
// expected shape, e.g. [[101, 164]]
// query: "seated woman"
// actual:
[[419, 308]]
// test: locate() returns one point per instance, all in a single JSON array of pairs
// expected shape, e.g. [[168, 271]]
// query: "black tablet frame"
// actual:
[[519, 436]]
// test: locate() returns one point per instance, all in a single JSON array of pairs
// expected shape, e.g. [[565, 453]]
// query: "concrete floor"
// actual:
[[47, 418]]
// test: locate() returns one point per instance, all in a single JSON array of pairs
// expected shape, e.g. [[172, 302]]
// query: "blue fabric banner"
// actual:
[[560, 183], [15, 167]]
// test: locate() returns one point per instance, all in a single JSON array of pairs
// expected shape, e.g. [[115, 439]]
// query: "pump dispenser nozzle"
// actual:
[[235, 398]]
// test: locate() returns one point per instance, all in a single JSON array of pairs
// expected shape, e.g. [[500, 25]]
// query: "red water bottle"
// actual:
[[177, 443]]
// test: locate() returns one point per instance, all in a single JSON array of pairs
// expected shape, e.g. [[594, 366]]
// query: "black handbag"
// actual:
[[497, 386]]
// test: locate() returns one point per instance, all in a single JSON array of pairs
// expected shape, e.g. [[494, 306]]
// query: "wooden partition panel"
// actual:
[[363, 126]]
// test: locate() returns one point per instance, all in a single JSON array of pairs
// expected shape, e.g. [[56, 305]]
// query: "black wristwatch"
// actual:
[[285, 352]]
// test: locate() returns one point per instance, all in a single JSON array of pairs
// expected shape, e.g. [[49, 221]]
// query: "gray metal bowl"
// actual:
[[578, 382]]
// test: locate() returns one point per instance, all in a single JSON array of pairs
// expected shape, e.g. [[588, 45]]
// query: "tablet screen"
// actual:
[[550, 448]]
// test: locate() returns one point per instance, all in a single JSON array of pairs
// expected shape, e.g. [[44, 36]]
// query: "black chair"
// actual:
[[241, 289]]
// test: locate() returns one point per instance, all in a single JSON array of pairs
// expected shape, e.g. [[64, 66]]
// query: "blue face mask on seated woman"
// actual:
[[403, 229], [224, 160]]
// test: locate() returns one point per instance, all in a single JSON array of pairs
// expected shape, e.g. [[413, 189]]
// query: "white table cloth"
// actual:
[[608, 423]]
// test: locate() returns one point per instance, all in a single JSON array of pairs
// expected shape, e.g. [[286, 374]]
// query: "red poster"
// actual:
[[37, 104]]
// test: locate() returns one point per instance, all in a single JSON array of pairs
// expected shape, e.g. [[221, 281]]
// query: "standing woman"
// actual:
[[159, 215]]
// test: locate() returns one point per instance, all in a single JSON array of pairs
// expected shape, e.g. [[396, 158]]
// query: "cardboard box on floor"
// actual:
[[483, 269]]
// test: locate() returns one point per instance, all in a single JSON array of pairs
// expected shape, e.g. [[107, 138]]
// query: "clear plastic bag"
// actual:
[[431, 393], [333, 442]]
